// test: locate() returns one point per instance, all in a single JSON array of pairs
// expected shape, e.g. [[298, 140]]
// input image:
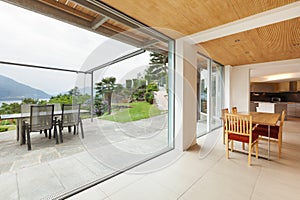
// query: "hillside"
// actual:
[[12, 90]]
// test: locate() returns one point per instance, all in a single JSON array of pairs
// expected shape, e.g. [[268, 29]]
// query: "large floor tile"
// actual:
[[94, 193], [117, 183], [214, 186], [145, 189], [270, 186]]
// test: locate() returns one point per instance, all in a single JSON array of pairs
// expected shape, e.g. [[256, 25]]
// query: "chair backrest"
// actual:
[[225, 110], [70, 114], [281, 121], [238, 124], [234, 110], [41, 117], [25, 110], [57, 107]]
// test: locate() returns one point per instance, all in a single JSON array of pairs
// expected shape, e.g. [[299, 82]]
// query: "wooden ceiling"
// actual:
[[280, 41], [271, 43], [192, 16]]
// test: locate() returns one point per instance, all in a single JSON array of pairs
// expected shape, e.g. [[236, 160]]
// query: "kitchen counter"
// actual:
[[269, 107]]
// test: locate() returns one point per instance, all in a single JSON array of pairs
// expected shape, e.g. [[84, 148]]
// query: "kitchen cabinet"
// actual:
[[293, 109], [263, 87]]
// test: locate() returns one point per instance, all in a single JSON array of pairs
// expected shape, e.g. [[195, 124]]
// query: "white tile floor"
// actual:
[[195, 175]]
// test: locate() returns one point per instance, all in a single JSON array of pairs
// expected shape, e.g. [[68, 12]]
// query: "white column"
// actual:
[[227, 71], [185, 94]]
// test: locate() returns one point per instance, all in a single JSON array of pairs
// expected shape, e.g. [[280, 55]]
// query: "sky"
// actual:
[[31, 38]]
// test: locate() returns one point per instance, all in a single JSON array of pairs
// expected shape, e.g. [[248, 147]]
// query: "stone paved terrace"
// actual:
[[50, 168]]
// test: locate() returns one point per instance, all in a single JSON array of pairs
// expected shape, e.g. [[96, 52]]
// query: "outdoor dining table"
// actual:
[[21, 116], [269, 119]]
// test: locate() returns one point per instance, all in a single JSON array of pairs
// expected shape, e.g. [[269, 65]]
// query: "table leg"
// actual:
[[268, 142], [18, 130], [22, 132], [20, 135]]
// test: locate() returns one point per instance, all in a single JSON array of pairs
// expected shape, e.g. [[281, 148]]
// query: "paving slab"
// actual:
[[37, 182]]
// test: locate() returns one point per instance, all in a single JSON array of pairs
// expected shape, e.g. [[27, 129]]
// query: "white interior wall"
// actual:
[[240, 88]]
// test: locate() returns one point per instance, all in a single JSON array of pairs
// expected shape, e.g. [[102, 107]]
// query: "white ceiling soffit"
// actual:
[[279, 14], [277, 71]]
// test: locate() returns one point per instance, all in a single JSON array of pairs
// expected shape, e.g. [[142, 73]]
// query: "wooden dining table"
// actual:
[[269, 119]]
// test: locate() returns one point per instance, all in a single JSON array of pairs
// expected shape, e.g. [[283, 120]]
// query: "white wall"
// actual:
[[185, 94], [240, 88]]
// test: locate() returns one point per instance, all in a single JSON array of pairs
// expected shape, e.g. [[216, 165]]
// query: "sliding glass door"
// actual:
[[216, 95], [203, 85], [209, 94]]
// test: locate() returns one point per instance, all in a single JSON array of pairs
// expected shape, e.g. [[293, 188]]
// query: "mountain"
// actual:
[[13, 90]]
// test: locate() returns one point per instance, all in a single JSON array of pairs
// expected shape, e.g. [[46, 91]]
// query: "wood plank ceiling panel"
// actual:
[[188, 17], [280, 41], [76, 11]]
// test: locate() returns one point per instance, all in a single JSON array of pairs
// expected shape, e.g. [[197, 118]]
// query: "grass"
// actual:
[[137, 111]]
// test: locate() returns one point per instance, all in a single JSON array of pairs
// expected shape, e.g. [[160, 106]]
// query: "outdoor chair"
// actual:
[[275, 132], [25, 113], [239, 128], [41, 118], [70, 117]]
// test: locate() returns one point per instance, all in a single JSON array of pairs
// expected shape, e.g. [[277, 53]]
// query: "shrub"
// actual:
[[5, 122], [152, 87], [3, 129], [149, 97]]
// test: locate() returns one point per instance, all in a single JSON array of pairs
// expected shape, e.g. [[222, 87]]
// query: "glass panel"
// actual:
[[216, 95], [202, 87], [210, 95], [122, 123]]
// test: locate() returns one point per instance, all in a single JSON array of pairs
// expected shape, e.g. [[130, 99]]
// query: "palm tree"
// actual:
[[105, 88]]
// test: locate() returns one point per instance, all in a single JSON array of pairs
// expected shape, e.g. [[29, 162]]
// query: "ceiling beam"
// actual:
[[99, 21], [55, 13], [91, 6], [276, 15], [150, 43], [50, 11], [67, 9], [103, 9], [118, 36]]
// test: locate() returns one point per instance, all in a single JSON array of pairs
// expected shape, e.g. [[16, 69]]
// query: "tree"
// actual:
[[29, 101], [74, 92], [157, 69], [62, 99], [105, 88]]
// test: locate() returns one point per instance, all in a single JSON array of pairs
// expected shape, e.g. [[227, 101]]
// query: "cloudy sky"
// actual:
[[31, 38]]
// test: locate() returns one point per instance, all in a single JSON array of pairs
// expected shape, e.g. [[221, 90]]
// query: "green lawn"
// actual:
[[137, 111]]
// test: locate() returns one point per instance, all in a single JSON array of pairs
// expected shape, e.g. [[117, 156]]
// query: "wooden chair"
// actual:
[[70, 117], [239, 128], [41, 118], [225, 110], [275, 132], [234, 110]]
